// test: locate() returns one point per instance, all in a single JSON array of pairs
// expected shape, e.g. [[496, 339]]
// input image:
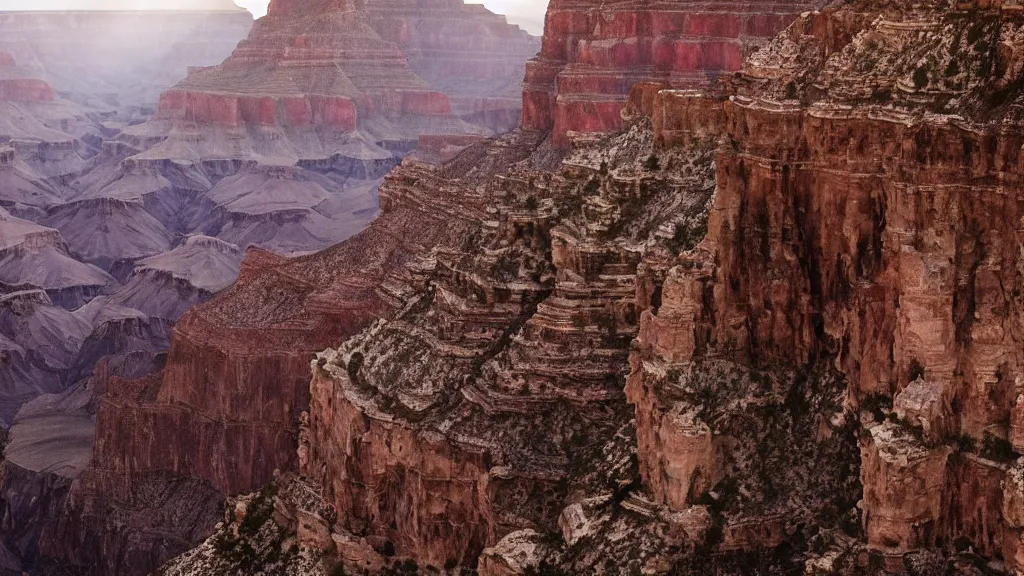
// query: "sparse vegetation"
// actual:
[[997, 448], [877, 404]]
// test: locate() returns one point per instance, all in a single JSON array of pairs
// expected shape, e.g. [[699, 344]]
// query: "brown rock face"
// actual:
[[337, 64], [727, 325], [467, 417], [235, 381], [593, 55], [847, 227], [280, 146]]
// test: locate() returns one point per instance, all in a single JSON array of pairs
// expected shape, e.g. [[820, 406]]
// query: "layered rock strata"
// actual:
[[402, 429], [593, 55], [846, 313], [492, 403], [32, 256], [18, 85], [306, 304], [463, 50], [845, 329], [866, 214], [340, 65], [279, 148]]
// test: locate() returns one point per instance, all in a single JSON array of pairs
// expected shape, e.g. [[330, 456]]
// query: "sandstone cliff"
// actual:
[[279, 148], [813, 269], [532, 333], [865, 216], [592, 55]]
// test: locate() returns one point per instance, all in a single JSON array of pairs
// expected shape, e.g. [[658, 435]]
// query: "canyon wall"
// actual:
[[872, 224], [772, 323], [824, 375], [234, 378], [129, 220], [593, 55], [333, 64]]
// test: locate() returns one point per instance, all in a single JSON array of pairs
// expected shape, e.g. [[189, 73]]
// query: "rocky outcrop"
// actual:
[[110, 234], [847, 226], [40, 342], [305, 304], [340, 65], [279, 148], [465, 417], [592, 56], [776, 326], [168, 284], [844, 267]]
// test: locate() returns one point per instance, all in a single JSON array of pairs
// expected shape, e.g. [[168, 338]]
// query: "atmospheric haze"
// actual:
[[528, 14]]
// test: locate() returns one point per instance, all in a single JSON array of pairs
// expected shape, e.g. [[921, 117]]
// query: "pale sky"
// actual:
[[527, 13]]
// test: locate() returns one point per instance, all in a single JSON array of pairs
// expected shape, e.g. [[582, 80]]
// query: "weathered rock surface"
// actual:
[[593, 55], [846, 226], [824, 376], [778, 327], [168, 284], [279, 148], [463, 419], [341, 65], [41, 342]]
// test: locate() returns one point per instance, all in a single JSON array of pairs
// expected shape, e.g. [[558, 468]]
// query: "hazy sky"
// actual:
[[527, 13]]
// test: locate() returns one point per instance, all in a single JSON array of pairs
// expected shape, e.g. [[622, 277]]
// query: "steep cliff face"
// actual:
[[771, 327], [343, 64], [237, 381], [281, 148], [593, 55], [468, 416], [824, 374], [866, 215]]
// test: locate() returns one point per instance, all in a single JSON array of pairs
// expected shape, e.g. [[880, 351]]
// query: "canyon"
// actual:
[[740, 294], [142, 159], [771, 325]]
